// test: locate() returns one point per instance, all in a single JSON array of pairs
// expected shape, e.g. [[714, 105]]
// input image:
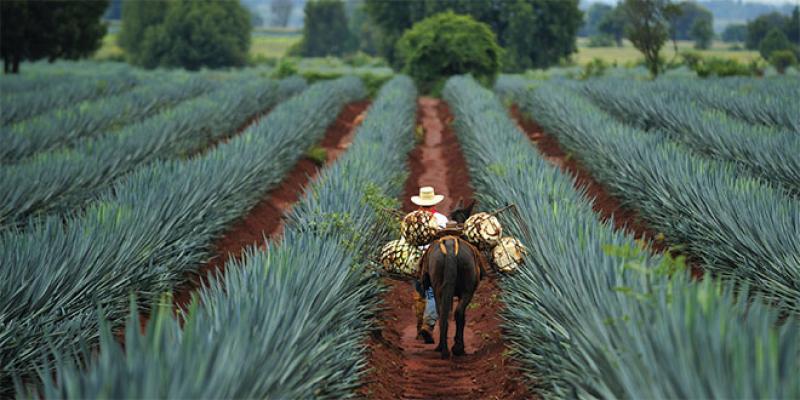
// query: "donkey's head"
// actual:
[[460, 213]]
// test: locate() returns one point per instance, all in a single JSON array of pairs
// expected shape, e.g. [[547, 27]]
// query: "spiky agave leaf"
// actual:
[[285, 322], [59, 182], [166, 217], [595, 315]]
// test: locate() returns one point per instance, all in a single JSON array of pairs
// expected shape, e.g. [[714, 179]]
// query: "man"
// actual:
[[424, 303]]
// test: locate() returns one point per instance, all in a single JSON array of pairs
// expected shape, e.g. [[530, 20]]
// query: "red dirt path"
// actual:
[[403, 366], [603, 203], [265, 219]]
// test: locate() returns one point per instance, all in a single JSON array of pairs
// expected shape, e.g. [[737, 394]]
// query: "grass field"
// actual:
[[629, 54], [277, 45]]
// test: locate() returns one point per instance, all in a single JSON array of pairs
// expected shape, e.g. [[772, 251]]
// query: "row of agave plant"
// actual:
[[145, 233], [594, 313], [768, 153], [772, 102], [288, 320], [738, 226], [65, 126], [59, 182], [19, 106]]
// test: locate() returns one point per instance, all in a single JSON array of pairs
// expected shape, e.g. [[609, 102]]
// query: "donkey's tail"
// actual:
[[450, 274]]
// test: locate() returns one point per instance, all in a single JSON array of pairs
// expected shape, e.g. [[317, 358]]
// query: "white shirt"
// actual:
[[441, 220]]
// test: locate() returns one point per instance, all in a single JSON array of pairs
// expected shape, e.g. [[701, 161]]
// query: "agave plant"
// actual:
[[145, 234], [20, 106], [593, 313], [60, 182], [771, 102], [60, 128], [740, 227], [288, 321], [771, 155]]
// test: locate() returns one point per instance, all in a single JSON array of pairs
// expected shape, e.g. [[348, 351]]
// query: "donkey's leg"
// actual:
[[461, 320]]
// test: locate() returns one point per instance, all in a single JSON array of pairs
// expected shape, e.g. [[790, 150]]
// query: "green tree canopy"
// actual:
[[735, 33], [690, 13], [594, 15], [191, 34], [647, 29], [535, 33], [775, 40], [137, 17], [448, 44], [34, 30], [758, 28], [702, 32], [613, 24], [325, 30]]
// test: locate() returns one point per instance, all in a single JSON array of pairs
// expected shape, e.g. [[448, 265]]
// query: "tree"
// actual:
[[673, 13], [281, 11], [448, 44], [758, 28], [325, 31], [535, 33], [793, 26], [647, 29], [702, 32], [137, 17], [196, 34], [613, 24], [782, 59], [775, 40], [735, 33], [34, 30], [690, 12], [594, 15]]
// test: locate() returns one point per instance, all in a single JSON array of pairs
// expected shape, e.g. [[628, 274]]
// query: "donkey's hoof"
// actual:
[[445, 355], [458, 350], [440, 348]]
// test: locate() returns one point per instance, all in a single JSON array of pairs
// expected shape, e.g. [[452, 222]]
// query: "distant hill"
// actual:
[[736, 11]]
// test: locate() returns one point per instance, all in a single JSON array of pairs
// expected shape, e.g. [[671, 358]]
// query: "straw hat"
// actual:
[[427, 197]]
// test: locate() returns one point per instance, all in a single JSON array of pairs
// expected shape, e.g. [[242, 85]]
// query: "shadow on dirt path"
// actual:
[[403, 367]]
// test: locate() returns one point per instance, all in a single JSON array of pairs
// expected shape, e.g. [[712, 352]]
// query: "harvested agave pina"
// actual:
[[400, 257], [508, 254], [419, 227], [483, 230]]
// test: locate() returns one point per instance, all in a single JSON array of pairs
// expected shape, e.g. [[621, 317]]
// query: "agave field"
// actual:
[[116, 184]]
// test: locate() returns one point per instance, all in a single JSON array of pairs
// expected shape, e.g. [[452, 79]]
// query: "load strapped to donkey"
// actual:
[[403, 258], [453, 263]]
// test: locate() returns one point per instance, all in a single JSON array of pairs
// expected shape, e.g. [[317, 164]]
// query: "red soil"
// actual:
[[403, 366], [265, 219], [603, 203]]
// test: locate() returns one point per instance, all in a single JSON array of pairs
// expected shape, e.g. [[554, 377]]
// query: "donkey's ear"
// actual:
[[471, 206]]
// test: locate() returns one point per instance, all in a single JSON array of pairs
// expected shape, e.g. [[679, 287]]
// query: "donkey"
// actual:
[[453, 267]]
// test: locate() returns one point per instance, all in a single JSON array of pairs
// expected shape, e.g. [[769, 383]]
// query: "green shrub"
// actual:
[[721, 67], [775, 40], [286, 67], [601, 41], [196, 34], [448, 44], [318, 155], [325, 30], [782, 59], [596, 67]]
